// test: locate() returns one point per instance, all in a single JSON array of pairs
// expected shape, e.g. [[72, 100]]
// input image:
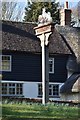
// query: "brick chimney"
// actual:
[[65, 15]]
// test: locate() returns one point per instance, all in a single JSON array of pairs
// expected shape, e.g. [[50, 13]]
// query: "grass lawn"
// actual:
[[26, 111]]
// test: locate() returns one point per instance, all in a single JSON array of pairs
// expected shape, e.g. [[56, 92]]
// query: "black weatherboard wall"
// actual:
[[60, 71], [27, 67]]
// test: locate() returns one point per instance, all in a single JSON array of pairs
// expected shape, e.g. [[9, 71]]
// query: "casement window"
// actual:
[[12, 89], [40, 89], [5, 63], [4, 88], [51, 65], [19, 89], [53, 90]]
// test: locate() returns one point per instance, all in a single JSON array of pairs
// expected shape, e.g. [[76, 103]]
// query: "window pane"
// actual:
[[55, 89], [51, 65], [11, 84], [4, 88], [50, 91], [19, 88], [50, 86], [11, 90], [20, 85], [40, 89], [5, 57], [6, 63]]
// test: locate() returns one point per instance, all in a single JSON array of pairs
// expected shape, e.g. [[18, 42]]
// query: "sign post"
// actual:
[[43, 31]]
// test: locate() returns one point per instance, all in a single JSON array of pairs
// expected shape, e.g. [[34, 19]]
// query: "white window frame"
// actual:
[[15, 87], [19, 87], [5, 87], [11, 87], [10, 63], [51, 59], [52, 85], [40, 88], [52, 95]]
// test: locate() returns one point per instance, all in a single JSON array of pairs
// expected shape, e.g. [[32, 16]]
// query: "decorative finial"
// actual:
[[45, 17]]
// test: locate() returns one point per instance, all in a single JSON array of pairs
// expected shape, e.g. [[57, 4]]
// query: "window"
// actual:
[[12, 88], [4, 88], [53, 90], [51, 65], [50, 90], [39, 89], [19, 88], [5, 62]]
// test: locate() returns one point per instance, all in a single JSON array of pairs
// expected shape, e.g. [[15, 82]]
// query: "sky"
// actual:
[[23, 3], [40, 0], [68, 0], [71, 2]]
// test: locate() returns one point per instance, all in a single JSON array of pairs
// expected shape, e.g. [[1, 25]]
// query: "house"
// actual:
[[21, 60], [70, 90]]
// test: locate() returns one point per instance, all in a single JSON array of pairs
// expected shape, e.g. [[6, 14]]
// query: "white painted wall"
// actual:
[[30, 90], [75, 97]]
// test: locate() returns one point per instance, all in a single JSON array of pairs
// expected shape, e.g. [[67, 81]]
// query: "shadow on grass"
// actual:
[[14, 118]]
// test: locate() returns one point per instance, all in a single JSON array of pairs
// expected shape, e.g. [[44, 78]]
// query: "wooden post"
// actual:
[[43, 32]]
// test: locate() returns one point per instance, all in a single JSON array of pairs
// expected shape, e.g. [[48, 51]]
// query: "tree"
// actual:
[[35, 9], [12, 11], [8, 9], [78, 10], [76, 14]]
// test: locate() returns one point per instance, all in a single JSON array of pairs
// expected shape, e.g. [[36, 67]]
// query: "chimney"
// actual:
[[65, 15], [66, 5]]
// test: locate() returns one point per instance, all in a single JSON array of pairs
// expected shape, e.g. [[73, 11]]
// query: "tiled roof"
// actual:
[[17, 36]]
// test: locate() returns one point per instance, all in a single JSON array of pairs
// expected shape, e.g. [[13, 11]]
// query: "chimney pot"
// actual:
[[66, 5]]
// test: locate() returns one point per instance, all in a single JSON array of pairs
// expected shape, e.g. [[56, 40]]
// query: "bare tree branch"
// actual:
[[12, 11]]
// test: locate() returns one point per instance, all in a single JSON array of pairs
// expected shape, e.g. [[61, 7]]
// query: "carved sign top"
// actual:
[[45, 17]]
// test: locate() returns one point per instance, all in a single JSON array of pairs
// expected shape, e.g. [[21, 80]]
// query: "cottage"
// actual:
[[70, 90], [20, 72], [21, 61]]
